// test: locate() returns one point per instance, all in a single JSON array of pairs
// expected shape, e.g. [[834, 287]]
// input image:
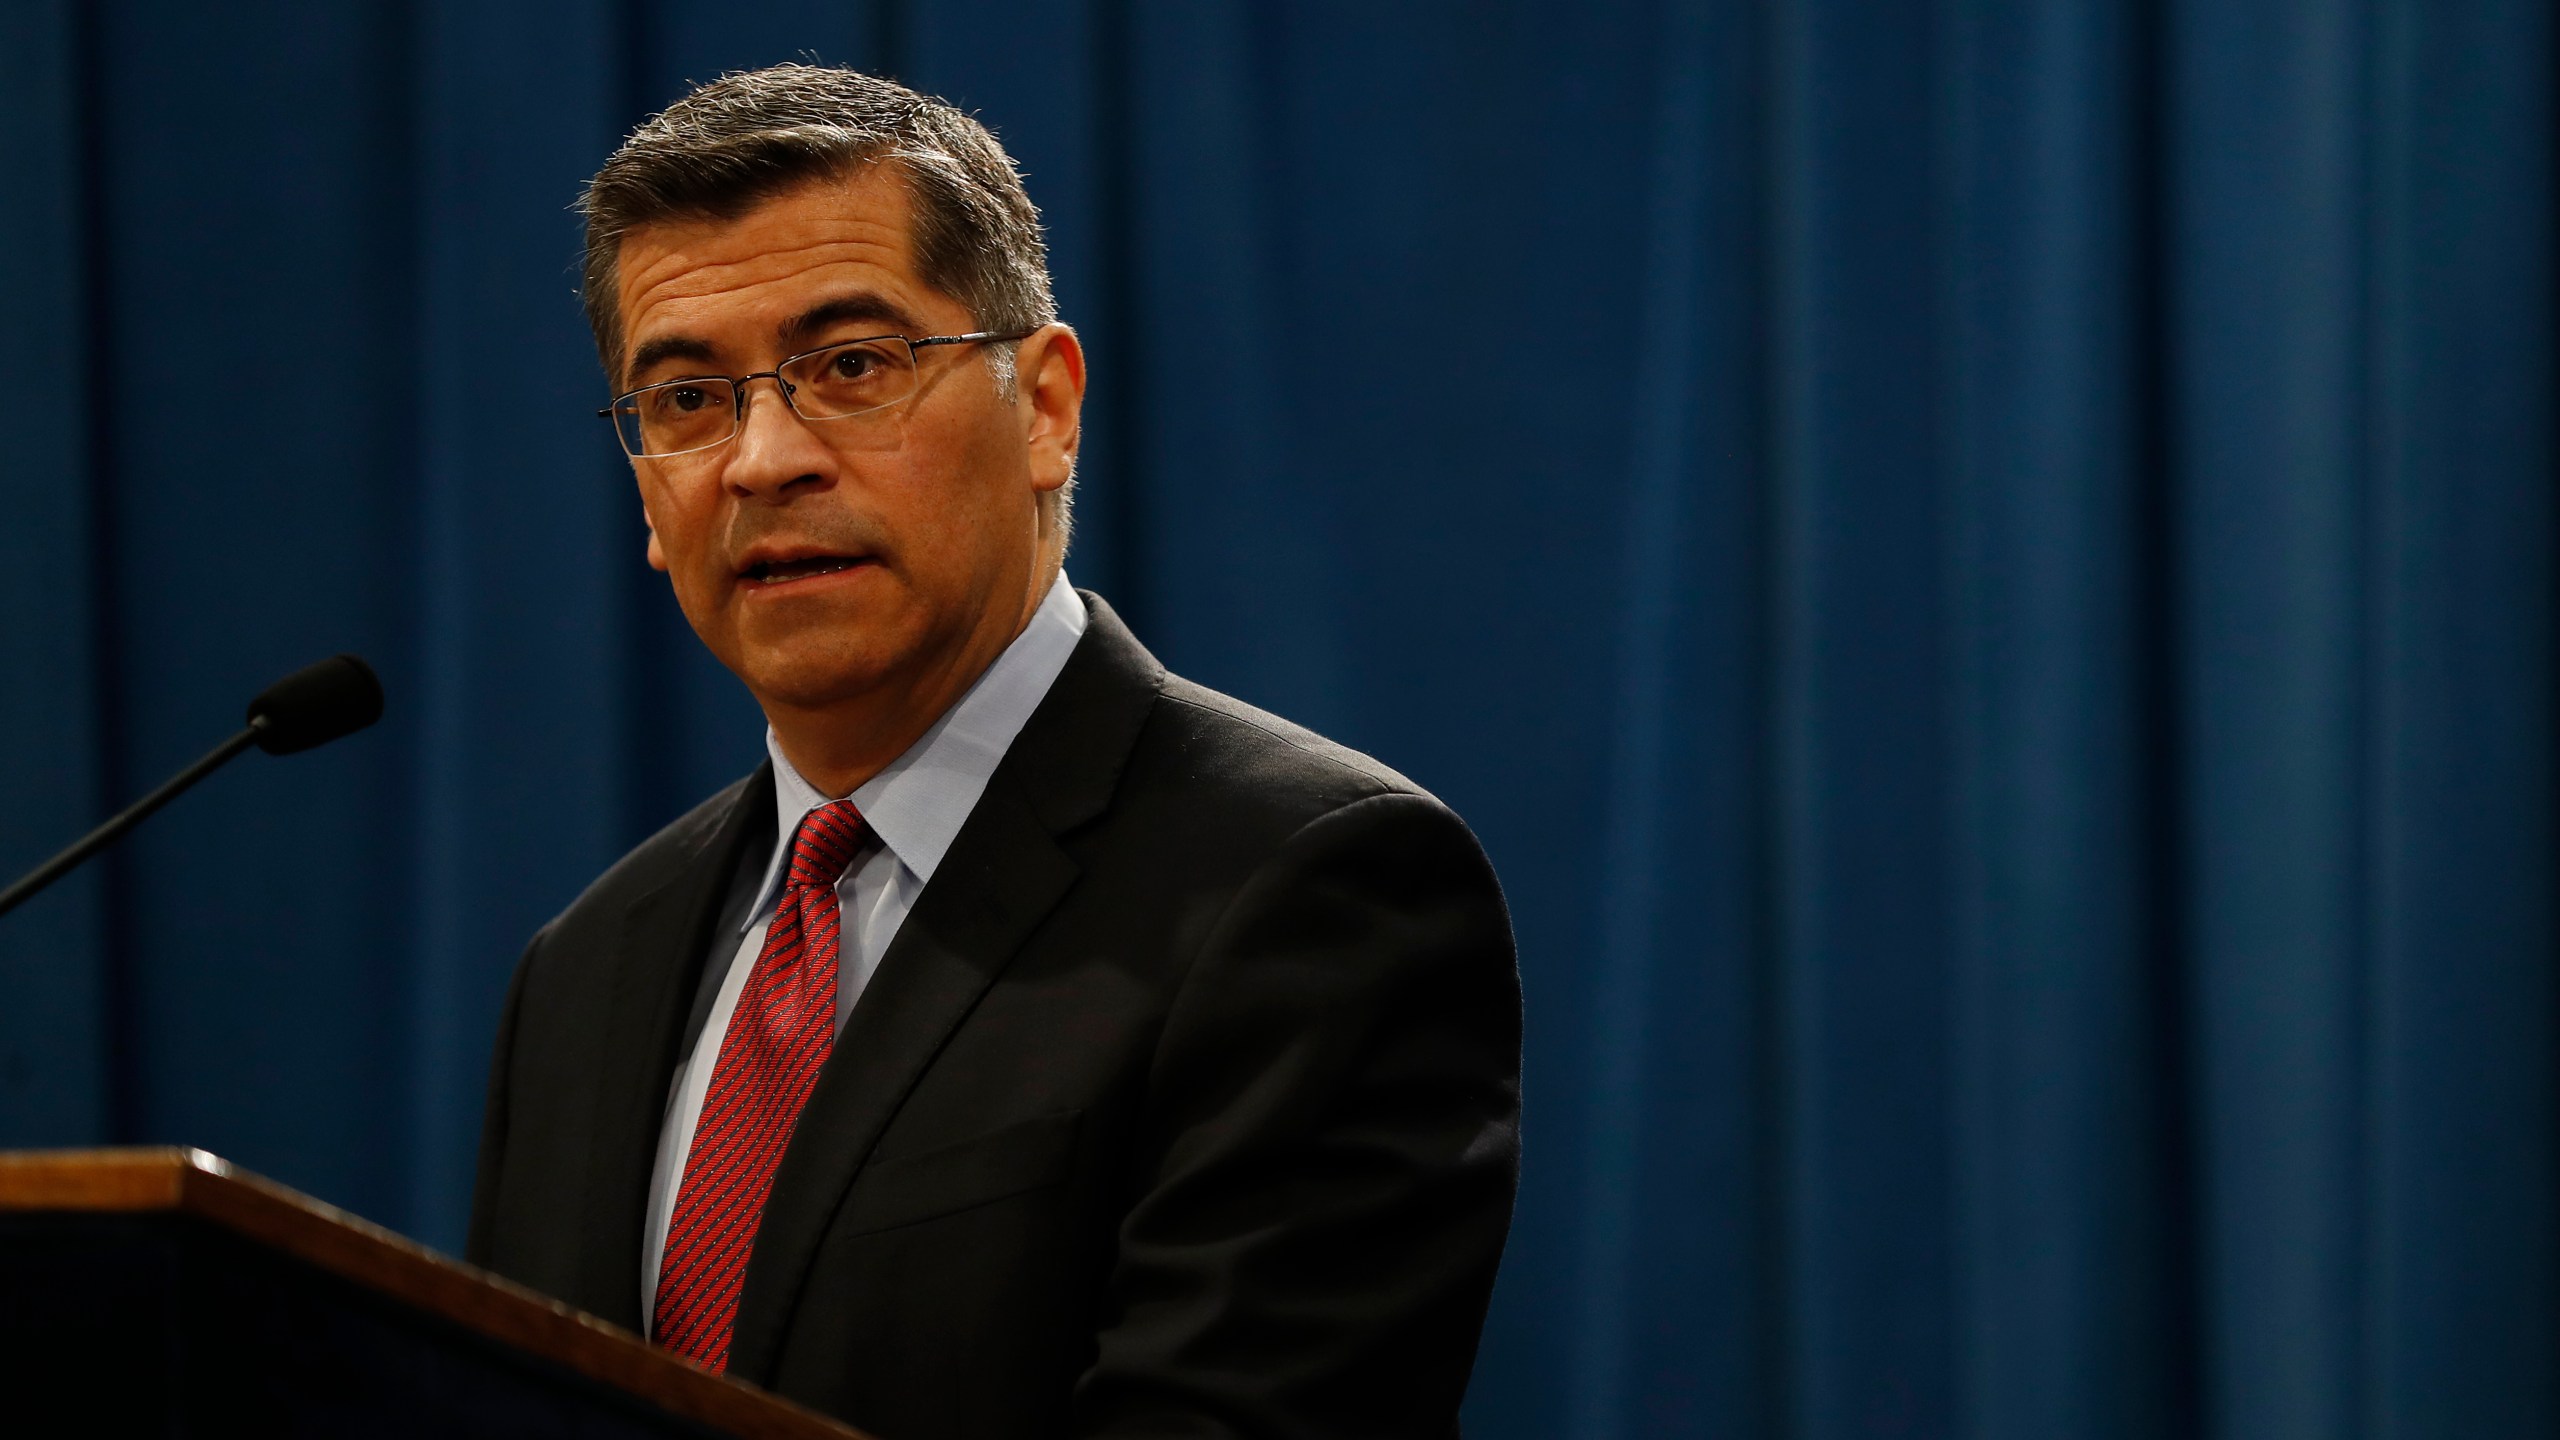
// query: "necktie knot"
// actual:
[[825, 843]]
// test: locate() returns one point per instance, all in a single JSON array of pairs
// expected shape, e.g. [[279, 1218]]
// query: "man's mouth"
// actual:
[[780, 572]]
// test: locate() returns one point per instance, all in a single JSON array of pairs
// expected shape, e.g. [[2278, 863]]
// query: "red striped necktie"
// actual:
[[779, 1037]]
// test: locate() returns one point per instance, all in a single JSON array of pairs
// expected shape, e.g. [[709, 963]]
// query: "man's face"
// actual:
[[823, 560]]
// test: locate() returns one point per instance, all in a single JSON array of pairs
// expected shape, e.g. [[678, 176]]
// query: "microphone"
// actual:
[[315, 705], [310, 707]]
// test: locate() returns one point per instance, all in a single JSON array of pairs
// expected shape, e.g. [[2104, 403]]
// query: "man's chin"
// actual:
[[817, 675]]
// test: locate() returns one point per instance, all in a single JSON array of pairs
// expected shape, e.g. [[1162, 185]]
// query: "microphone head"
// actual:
[[315, 705]]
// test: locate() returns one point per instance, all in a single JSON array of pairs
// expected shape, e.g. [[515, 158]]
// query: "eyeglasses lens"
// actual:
[[850, 379], [673, 418]]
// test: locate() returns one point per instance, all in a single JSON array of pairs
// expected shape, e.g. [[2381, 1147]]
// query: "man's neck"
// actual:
[[836, 748]]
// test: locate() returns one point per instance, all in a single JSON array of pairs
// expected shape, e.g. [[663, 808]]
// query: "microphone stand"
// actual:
[[134, 814]]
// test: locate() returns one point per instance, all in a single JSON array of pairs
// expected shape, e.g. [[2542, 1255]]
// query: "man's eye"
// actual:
[[853, 364], [684, 399]]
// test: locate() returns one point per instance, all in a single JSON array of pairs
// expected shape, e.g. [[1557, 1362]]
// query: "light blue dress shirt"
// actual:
[[914, 807]]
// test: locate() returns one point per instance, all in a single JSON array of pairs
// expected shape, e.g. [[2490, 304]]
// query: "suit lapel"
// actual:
[[1003, 875], [666, 940]]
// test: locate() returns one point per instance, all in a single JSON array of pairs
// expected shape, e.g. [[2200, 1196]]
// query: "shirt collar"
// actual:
[[918, 804]]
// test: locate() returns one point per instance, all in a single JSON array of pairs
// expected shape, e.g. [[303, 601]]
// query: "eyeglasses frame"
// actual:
[[738, 384]]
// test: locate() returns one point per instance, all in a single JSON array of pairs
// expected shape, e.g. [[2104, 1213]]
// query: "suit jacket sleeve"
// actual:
[[1330, 1148]]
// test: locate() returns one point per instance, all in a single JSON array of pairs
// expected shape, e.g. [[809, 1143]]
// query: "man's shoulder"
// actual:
[[683, 844], [1219, 752]]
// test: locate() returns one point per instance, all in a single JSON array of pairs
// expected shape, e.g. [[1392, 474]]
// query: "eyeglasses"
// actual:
[[834, 382]]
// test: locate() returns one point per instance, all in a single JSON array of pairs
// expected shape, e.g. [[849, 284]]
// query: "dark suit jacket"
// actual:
[[1185, 1102]]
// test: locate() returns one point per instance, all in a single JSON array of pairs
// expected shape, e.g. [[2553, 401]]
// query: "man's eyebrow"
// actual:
[[863, 306], [667, 347]]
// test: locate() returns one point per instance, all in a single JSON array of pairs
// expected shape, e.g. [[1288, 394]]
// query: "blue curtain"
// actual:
[[1983, 568]]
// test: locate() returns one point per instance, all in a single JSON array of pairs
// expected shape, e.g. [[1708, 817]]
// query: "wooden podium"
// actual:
[[164, 1293]]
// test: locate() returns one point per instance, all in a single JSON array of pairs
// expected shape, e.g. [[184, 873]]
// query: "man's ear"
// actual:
[[1049, 386]]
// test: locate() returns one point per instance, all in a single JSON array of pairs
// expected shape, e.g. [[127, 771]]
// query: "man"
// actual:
[[1038, 1043]]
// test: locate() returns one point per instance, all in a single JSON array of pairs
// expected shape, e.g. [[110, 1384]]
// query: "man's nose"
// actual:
[[775, 449]]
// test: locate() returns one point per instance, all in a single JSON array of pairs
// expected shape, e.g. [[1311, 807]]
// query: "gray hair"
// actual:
[[729, 146]]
